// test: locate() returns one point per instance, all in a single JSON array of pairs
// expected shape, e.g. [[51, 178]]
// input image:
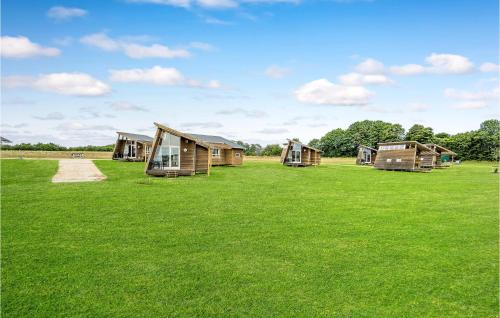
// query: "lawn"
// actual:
[[260, 240]]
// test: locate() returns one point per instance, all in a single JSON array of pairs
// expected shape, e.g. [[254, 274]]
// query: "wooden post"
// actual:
[[153, 148], [209, 160]]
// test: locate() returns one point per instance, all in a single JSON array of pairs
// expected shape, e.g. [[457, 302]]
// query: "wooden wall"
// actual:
[[406, 156], [221, 160], [201, 159], [187, 157]]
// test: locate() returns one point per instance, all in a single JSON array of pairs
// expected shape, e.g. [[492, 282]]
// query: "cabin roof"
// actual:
[[180, 134], [5, 140], [303, 145], [442, 149], [217, 140], [405, 142], [135, 136], [363, 146]]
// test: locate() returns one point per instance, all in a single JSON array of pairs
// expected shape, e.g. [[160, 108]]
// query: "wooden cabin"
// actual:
[[223, 151], [366, 155], [403, 155], [132, 147], [443, 157], [177, 154], [297, 154]]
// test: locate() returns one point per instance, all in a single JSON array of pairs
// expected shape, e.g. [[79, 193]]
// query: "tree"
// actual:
[[420, 133], [315, 143], [491, 127], [271, 150], [335, 143]]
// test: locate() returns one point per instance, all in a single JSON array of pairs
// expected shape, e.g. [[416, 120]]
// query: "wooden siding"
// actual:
[[187, 154], [202, 160], [219, 160], [406, 157]]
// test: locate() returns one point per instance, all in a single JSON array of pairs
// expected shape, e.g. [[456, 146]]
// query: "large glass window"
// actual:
[[167, 155]]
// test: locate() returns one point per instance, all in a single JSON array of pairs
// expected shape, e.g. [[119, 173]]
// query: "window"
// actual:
[[215, 152], [167, 153], [392, 147], [398, 160], [237, 154], [389, 160]]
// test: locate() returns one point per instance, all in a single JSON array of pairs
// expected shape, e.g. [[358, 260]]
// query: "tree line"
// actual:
[[54, 147], [480, 144]]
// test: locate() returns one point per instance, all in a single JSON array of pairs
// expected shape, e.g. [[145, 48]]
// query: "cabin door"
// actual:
[[368, 157], [296, 156]]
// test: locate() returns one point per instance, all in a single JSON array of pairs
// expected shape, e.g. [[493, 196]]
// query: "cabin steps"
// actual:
[[172, 174]]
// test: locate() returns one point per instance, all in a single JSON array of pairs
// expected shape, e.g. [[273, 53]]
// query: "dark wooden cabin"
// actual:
[[132, 147], [177, 154], [403, 155], [366, 155], [297, 154], [443, 157], [224, 151]]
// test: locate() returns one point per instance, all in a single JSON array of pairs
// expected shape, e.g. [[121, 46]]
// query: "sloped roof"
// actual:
[[441, 149], [304, 145], [216, 140], [363, 146], [420, 146], [5, 140], [181, 134], [135, 136]]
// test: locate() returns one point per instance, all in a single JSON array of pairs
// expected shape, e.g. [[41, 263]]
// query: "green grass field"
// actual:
[[260, 240]]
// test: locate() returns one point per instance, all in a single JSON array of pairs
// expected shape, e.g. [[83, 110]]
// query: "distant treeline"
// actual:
[[54, 147], [481, 144]]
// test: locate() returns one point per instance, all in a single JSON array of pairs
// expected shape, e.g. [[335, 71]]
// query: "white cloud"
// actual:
[[244, 112], [449, 64], [51, 116], [217, 4], [202, 125], [133, 50], [489, 67], [157, 75], [202, 46], [21, 47], [418, 107], [212, 20], [127, 106], [408, 69], [101, 40], [370, 66], [64, 13], [446, 64], [276, 72], [472, 100], [78, 126], [323, 92], [137, 51], [175, 3], [273, 131], [356, 79], [75, 84]]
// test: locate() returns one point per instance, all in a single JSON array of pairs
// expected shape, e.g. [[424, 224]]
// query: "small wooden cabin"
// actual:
[[132, 147], [177, 154], [403, 155], [297, 154], [366, 155], [443, 157], [223, 151]]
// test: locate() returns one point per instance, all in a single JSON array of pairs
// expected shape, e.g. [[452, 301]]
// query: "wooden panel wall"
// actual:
[[407, 157], [221, 160], [187, 157], [201, 159]]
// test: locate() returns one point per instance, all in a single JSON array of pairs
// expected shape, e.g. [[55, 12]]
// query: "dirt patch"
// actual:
[[77, 170]]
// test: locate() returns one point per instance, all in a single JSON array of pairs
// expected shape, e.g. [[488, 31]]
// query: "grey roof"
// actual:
[[216, 140], [303, 145], [5, 140], [135, 136]]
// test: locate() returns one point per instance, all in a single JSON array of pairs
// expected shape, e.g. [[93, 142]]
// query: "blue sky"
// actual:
[[74, 72]]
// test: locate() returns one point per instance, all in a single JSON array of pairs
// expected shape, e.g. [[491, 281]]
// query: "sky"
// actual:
[[261, 71]]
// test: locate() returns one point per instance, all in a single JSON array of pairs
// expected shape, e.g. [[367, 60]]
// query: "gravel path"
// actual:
[[77, 170]]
